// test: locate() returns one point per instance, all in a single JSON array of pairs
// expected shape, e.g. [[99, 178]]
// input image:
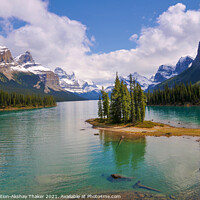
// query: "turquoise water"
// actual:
[[54, 151], [175, 115]]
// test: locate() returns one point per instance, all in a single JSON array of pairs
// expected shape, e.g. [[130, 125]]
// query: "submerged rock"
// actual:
[[118, 177]]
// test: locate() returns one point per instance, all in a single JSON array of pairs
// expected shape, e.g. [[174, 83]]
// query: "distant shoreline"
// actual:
[[177, 105], [156, 129], [24, 108]]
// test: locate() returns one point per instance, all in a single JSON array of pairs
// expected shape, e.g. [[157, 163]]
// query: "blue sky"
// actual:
[[60, 33], [112, 22]]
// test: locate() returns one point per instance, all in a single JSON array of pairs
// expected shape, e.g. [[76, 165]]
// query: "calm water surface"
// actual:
[[175, 115], [54, 151]]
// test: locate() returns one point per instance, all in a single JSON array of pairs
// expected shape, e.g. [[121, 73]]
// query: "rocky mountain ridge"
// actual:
[[166, 72], [5, 55], [69, 82], [23, 75], [25, 63], [191, 74], [59, 80]]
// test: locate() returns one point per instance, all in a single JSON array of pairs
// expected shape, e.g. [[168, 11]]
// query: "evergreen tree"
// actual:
[[125, 102], [132, 103], [142, 103], [179, 95], [128, 104], [18, 100], [100, 109], [106, 104], [115, 106], [125, 106]]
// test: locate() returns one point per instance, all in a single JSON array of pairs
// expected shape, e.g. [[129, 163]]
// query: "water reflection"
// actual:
[[44, 151], [129, 153]]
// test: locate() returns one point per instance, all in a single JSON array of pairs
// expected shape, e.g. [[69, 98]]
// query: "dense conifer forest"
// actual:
[[125, 105], [179, 95], [8, 100]]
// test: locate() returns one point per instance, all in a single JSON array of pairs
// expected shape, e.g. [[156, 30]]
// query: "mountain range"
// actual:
[[191, 74], [89, 89], [23, 75], [166, 72]]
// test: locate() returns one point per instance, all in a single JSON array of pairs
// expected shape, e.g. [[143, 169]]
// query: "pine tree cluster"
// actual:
[[126, 105], [179, 95], [19, 100]]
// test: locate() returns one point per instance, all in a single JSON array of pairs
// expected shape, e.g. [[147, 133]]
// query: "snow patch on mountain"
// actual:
[[183, 64], [168, 71], [142, 80], [164, 72], [3, 49], [25, 63], [69, 82]]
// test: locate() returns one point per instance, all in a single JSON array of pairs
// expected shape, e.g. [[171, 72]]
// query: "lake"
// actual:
[[54, 151]]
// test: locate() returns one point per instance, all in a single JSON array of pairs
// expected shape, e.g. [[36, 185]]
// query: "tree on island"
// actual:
[[115, 104], [100, 108], [106, 103], [126, 105]]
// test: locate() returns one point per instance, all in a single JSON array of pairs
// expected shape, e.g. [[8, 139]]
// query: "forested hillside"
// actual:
[[13, 100], [179, 95]]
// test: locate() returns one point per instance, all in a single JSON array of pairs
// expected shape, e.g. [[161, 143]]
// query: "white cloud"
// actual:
[[59, 41], [176, 35], [53, 40], [133, 37]]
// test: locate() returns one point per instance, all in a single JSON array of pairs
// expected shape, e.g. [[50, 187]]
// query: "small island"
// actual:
[[147, 128], [14, 101], [124, 112]]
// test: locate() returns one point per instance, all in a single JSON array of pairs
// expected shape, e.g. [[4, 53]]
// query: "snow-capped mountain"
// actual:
[[25, 59], [142, 80], [69, 82], [168, 71], [183, 64], [190, 75], [59, 80], [23, 75], [5, 56], [26, 63], [164, 72]]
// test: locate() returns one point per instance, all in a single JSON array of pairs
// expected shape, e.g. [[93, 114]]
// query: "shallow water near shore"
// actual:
[[54, 151], [178, 116]]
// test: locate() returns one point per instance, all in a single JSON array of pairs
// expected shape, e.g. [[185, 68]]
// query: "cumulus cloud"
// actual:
[[59, 41], [53, 40], [176, 34]]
